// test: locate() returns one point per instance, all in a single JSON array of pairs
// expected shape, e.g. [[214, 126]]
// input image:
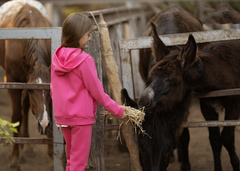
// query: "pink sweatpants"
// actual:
[[78, 142]]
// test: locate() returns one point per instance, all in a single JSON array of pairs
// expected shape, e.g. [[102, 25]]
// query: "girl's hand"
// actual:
[[124, 116]]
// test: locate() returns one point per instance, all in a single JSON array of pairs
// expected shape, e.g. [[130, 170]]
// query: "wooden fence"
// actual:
[[122, 23]]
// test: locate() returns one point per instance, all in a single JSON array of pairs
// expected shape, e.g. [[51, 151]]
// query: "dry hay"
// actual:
[[134, 116]]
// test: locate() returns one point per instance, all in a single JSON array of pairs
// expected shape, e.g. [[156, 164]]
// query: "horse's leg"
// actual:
[[24, 126], [209, 113], [50, 135], [183, 150], [15, 95], [227, 135], [50, 148], [2, 54]]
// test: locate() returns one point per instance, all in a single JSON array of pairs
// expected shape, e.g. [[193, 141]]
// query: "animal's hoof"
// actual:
[[171, 160], [186, 167], [22, 159], [15, 168], [28, 151]]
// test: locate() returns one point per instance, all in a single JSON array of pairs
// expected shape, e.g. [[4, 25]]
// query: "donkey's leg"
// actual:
[[227, 135], [16, 117], [183, 149], [209, 113]]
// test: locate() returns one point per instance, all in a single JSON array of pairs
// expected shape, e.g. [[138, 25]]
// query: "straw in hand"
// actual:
[[135, 116]]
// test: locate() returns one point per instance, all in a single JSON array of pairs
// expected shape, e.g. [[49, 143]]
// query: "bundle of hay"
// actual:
[[135, 116]]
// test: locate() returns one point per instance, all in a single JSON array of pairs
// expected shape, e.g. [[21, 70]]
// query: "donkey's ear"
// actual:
[[188, 55], [158, 47]]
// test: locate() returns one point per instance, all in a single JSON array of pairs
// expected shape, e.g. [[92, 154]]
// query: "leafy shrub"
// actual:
[[5, 130]]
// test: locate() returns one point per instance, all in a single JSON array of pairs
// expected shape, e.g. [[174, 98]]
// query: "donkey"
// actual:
[[169, 90], [173, 19]]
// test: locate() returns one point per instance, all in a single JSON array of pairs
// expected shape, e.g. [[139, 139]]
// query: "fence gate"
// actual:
[[38, 33]]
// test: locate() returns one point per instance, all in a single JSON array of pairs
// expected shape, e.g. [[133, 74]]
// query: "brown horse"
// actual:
[[27, 61], [169, 90], [173, 19]]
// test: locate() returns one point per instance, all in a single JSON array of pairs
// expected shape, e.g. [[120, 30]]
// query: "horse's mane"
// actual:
[[36, 56]]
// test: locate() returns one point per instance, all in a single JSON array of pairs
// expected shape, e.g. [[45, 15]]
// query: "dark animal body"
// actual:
[[223, 14], [172, 20], [168, 95], [27, 61]]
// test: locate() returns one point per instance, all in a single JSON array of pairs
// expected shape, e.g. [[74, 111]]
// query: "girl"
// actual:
[[76, 89]]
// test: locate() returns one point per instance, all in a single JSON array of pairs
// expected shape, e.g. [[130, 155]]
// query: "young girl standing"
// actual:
[[76, 89]]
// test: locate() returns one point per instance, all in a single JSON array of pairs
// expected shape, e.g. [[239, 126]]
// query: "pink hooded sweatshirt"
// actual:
[[76, 89]]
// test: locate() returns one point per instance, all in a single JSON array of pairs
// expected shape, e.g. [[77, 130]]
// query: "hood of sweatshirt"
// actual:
[[66, 59]]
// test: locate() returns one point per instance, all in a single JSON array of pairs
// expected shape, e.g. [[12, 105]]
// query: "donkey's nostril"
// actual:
[[144, 102]]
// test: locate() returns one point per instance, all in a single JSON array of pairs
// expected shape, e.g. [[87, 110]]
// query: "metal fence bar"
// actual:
[[117, 1], [212, 123], [24, 86], [192, 124], [52, 33], [118, 15], [180, 39], [22, 140]]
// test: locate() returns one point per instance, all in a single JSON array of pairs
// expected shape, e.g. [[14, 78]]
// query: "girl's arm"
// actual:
[[94, 86]]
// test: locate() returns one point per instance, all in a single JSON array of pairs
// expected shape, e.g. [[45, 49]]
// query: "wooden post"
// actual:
[[96, 158], [113, 78]]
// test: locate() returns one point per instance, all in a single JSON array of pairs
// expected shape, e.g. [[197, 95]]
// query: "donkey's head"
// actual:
[[167, 80], [167, 96]]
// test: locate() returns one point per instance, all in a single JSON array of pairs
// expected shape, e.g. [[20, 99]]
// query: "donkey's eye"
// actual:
[[170, 81]]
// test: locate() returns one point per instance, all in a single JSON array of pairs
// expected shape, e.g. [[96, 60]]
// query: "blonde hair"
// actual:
[[73, 28]]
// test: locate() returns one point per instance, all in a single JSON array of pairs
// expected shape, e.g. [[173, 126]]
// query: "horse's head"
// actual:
[[36, 62], [167, 96], [40, 103]]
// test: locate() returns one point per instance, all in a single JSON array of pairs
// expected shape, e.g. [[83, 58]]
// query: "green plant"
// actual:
[[5, 129]]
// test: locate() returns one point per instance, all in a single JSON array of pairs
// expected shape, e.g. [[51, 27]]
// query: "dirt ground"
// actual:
[[200, 151]]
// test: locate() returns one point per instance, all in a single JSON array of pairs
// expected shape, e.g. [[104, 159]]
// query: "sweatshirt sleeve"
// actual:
[[94, 86]]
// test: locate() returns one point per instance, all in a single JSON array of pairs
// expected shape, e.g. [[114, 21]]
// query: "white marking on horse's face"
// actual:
[[45, 121], [12, 7], [38, 80]]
